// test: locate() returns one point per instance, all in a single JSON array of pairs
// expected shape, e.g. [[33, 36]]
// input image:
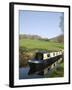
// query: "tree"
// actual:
[[61, 25]]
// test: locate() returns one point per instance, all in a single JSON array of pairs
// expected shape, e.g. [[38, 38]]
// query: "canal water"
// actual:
[[23, 74]]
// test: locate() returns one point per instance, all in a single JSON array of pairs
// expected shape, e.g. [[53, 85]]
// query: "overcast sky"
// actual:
[[42, 23]]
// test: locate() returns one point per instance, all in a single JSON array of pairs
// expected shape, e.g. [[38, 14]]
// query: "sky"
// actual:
[[42, 23]]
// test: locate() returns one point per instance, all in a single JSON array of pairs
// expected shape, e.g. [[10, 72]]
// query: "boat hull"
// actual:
[[42, 64]]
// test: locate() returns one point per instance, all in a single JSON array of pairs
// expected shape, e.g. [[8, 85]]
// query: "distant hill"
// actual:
[[27, 36], [59, 39]]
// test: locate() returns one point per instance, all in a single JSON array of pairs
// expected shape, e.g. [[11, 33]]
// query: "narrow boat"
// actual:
[[43, 60]]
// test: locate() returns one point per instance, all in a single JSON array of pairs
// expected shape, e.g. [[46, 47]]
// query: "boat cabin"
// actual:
[[42, 55], [45, 55]]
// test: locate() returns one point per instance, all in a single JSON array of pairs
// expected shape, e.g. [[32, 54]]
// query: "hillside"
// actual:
[[27, 36], [59, 39]]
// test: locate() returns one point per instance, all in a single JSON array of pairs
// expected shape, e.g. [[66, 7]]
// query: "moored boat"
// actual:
[[43, 60]]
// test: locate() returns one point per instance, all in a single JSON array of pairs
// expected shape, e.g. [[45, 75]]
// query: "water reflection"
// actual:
[[57, 71], [23, 74]]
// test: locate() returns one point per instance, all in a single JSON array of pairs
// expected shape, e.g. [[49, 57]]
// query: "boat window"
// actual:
[[48, 55], [53, 54], [39, 56], [54, 64]]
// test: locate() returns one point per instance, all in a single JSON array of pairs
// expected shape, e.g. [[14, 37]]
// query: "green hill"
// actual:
[[59, 39]]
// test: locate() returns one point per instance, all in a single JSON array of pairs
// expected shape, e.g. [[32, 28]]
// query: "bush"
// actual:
[[24, 57]]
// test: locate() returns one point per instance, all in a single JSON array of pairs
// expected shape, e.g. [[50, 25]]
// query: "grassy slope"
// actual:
[[39, 44]]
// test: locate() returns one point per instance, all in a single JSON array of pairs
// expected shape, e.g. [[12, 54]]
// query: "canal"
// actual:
[[23, 74]]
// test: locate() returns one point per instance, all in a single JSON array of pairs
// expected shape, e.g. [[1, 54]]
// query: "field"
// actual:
[[30, 44]]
